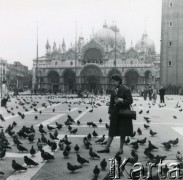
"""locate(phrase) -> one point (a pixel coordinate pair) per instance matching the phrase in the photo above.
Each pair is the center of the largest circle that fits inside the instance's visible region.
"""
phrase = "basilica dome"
(106, 36)
(145, 44)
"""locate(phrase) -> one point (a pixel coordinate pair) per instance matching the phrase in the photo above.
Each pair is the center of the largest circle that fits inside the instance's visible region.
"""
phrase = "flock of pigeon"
(11, 136)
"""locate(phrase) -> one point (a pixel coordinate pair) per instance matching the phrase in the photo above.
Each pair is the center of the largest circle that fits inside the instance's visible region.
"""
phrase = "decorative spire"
(54, 46)
(63, 46)
(47, 47)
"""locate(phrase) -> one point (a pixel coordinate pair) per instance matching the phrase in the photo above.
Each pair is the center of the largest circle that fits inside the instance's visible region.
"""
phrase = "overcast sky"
(57, 19)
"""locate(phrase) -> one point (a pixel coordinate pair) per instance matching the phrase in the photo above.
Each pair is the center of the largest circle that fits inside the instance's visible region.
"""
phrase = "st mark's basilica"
(90, 65)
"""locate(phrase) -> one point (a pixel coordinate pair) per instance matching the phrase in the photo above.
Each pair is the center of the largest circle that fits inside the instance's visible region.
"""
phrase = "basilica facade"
(90, 64)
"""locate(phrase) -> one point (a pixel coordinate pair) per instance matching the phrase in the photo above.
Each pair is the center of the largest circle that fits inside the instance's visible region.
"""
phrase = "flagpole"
(37, 61)
(75, 52)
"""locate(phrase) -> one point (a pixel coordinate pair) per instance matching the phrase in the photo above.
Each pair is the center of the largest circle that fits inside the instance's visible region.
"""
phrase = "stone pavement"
(165, 120)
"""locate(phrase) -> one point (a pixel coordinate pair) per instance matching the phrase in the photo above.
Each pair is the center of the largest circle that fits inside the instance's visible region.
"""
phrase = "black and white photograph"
(91, 89)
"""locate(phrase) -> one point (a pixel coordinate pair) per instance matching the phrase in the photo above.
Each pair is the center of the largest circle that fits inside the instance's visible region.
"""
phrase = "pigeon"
(106, 126)
(42, 131)
(96, 171)
(36, 117)
(147, 119)
(73, 168)
(143, 141)
(174, 142)
(76, 148)
(29, 161)
(175, 117)
(81, 160)
(103, 164)
(151, 146)
(101, 140)
(78, 122)
(152, 133)
(79, 111)
(17, 167)
(65, 153)
(179, 156)
(146, 126)
(167, 145)
(53, 137)
(93, 154)
(21, 148)
(32, 151)
(140, 112)
(74, 131)
(147, 111)
(53, 146)
(46, 156)
(59, 126)
(89, 136)
(100, 120)
(91, 110)
(94, 134)
(139, 131)
(50, 128)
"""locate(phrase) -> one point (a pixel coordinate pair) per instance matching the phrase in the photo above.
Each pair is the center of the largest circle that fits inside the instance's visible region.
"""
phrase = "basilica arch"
(91, 76)
(132, 77)
(53, 80)
(69, 79)
(148, 77)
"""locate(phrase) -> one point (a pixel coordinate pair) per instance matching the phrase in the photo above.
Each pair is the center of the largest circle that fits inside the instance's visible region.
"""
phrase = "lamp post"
(36, 70)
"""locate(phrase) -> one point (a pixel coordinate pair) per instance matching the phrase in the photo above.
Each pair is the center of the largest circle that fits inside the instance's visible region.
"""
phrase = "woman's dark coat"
(119, 126)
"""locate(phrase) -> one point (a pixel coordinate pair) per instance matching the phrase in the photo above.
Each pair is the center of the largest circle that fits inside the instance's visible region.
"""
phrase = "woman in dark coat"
(121, 98)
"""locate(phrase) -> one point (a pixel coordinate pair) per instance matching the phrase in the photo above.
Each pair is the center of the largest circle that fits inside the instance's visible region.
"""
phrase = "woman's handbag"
(127, 113)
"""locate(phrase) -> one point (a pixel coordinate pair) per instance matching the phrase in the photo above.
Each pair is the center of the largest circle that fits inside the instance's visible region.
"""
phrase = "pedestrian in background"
(162, 94)
(145, 93)
(150, 92)
(154, 95)
(5, 95)
(121, 99)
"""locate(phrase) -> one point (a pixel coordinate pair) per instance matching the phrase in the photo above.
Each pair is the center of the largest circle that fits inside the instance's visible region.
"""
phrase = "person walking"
(5, 95)
(150, 92)
(121, 99)
(162, 94)
(154, 95)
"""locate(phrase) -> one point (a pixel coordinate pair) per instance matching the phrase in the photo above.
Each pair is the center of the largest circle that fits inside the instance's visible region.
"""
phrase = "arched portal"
(148, 77)
(53, 80)
(91, 78)
(132, 79)
(93, 55)
(69, 79)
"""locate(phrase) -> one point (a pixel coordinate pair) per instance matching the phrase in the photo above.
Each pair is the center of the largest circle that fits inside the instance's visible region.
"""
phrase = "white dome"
(145, 44)
(107, 36)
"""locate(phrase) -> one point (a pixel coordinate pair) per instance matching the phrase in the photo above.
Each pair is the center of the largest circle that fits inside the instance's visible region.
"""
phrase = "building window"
(170, 4)
(55, 63)
(71, 63)
(169, 63)
(170, 43)
(170, 24)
